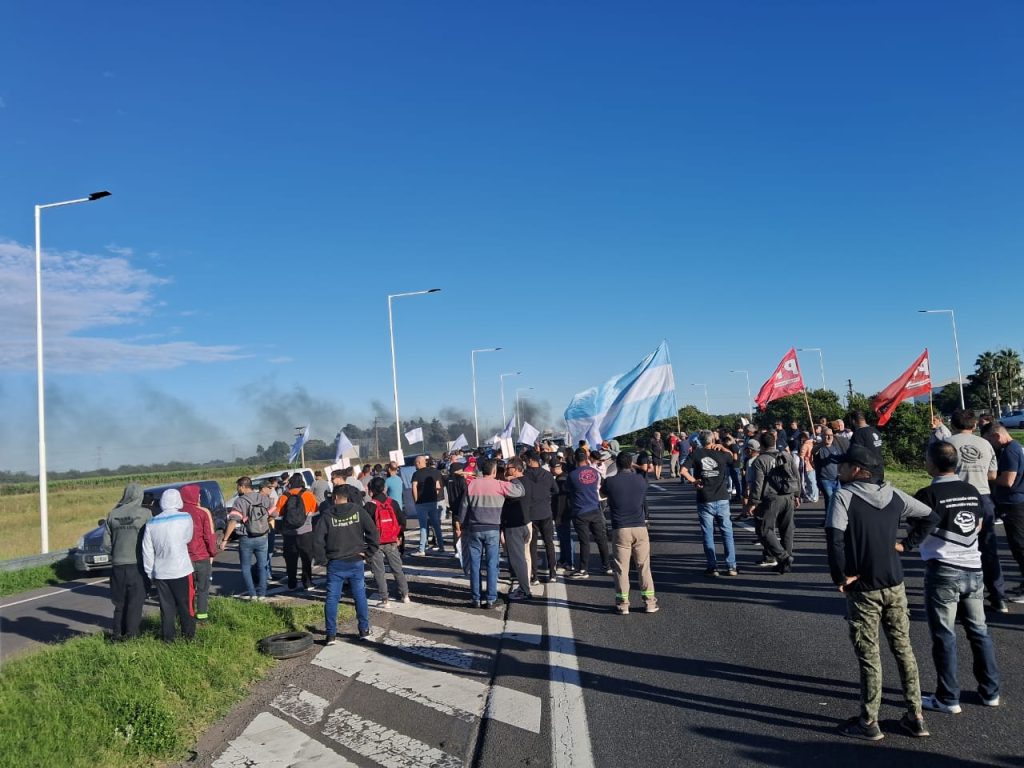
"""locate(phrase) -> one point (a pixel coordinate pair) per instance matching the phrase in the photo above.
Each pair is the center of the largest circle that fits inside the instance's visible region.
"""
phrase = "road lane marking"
(465, 621)
(570, 740)
(306, 707)
(452, 655)
(270, 742)
(383, 745)
(54, 592)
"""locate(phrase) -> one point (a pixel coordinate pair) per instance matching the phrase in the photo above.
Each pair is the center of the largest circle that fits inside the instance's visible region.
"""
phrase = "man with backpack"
(250, 519)
(390, 520)
(294, 514)
(774, 488)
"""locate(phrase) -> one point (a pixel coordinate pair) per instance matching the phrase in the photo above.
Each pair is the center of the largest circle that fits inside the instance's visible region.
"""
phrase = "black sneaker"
(364, 634)
(855, 728)
(711, 572)
(486, 605)
(998, 605)
(768, 562)
(914, 726)
(578, 575)
(474, 604)
(330, 640)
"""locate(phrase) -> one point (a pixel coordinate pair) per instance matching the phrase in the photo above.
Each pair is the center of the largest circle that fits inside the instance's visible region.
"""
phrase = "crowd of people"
(547, 505)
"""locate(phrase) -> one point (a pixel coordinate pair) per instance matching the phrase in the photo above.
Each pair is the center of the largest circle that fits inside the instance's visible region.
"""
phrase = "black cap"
(860, 456)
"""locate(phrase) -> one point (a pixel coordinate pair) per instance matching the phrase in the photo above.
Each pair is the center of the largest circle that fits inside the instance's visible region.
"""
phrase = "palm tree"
(986, 374)
(1008, 363)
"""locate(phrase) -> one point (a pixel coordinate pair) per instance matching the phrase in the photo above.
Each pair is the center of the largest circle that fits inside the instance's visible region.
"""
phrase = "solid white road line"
(446, 692)
(53, 592)
(383, 745)
(302, 705)
(270, 742)
(467, 621)
(570, 740)
(452, 655)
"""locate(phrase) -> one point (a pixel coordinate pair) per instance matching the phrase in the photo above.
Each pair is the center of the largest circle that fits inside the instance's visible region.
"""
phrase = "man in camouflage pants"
(863, 554)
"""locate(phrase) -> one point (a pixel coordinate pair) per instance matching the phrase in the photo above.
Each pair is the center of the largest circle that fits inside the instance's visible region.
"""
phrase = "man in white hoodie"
(166, 561)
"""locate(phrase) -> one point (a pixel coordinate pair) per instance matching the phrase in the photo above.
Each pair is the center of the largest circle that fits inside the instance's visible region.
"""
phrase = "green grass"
(12, 582)
(908, 480)
(90, 703)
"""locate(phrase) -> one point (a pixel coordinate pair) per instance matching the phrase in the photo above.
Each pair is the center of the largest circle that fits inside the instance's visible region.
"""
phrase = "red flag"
(785, 381)
(916, 380)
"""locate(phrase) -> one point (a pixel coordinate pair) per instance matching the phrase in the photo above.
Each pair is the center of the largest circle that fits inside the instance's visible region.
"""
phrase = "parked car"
(89, 554)
(1013, 420)
(258, 481)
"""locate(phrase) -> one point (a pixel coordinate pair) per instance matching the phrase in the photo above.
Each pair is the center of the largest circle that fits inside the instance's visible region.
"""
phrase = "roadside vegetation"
(90, 703)
(24, 579)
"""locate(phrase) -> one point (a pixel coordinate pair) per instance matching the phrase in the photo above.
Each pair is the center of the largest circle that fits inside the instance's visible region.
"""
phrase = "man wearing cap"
(862, 527)
(866, 435)
(774, 489)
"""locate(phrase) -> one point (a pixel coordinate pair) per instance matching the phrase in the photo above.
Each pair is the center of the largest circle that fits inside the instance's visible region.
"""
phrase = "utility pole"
(849, 392)
(376, 439)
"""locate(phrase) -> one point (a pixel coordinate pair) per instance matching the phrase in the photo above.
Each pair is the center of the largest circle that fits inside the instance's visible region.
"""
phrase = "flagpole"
(810, 418)
(931, 407)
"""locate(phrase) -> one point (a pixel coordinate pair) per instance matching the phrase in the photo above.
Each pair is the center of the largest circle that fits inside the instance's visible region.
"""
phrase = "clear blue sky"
(582, 179)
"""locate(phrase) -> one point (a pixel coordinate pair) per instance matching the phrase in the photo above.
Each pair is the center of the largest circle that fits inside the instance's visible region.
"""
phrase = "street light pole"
(956, 347)
(502, 379)
(520, 389)
(821, 361)
(750, 404)
(707, 406)
(394, 367)
(472, 360)
(44, 533)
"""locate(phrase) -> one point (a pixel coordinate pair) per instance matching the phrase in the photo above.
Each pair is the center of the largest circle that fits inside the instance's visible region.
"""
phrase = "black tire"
(286, 645)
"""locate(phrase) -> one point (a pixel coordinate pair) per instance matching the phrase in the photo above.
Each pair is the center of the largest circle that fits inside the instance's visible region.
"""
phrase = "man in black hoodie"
(345, 538)
(540, 487)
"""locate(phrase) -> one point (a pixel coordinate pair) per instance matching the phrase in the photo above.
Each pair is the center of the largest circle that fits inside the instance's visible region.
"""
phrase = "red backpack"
(387, 521)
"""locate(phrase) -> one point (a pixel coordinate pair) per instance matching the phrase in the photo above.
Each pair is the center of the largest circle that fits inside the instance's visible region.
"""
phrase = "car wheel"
(287, 645)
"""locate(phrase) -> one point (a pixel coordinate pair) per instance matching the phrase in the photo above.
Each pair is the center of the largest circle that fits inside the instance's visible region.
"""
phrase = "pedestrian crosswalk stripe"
(270, 742)
(446, 692)
(383, 745)
(474, 623)
(452, 655)
(302, 705)
(570, 739)
(443, 576)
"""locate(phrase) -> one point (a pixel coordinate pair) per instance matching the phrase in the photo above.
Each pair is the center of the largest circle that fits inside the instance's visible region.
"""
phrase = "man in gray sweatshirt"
(122, 537)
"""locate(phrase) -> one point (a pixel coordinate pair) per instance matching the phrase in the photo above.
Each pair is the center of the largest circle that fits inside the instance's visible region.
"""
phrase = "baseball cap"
(860, 456)
(753, 445)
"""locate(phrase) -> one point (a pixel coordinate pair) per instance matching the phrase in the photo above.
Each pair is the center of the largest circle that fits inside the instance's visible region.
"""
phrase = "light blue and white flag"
(414, 435)
(300, 441)
(528, 433)
(507, 431)
(459, 443)
(625, 403)
(344, 445)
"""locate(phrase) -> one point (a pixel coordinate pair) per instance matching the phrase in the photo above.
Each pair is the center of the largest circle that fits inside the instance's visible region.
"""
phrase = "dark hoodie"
(540, 488)
(204, 543)
(122, 532)
(345, 532)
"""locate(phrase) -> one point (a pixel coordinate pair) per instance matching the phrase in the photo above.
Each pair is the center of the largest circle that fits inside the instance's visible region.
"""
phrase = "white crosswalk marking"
(456, 696)
(453, 655)
(302, 705)
(475, 623)
(270, 742)
(383, 745)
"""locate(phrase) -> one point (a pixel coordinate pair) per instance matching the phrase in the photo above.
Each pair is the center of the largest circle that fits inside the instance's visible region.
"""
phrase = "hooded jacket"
(122, 531)
(166, 539)
(203, 545)
(540, 487)
(345, 532)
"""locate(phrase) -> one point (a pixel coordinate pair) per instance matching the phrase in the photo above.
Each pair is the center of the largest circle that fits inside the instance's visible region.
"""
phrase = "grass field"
(90, 703)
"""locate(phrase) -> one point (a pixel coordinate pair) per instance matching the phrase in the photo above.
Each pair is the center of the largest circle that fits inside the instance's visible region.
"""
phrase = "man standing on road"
(657, 454)
(122, 535)
(481, 520)
(515, 525)
(345, 538)
(673, 452)
(1008, 494)
(540, 487)
(294, 514)
(626, 491)
(250, 518)
(708, 469)
(862, 529)
(426, 494)
(166, 561)
(866, 435)
(390, 521)
(953, 581)
(320, 487)
(583, 486)
(826, 458)
(201, 549)
(774, 489)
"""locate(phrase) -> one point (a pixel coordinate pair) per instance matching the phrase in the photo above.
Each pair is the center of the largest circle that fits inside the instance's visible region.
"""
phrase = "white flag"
(507, 431)
(300, 441)
(414, 435)
(460, 442)
(528, 433)
(344, 445)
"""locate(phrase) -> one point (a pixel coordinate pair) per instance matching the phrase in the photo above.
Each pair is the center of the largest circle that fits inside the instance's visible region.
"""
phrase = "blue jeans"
(710, 513)
(483, 544)
(248, 548)
(831, 487)
(338, 572)
(566, 556)
(429, 513)
(945, 590)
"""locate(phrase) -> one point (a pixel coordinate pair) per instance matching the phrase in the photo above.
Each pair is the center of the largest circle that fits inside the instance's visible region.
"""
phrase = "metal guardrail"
(33, 560)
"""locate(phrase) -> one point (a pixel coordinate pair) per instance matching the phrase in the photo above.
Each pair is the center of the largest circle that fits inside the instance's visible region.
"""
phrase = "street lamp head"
(98, 195)
(434, 290)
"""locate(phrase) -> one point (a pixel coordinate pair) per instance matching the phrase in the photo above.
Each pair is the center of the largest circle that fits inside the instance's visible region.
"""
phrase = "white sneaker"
(993, 702)
(934, 705)
(405, 599)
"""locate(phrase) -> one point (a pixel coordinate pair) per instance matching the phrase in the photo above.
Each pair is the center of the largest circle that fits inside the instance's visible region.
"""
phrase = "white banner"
(397, 456)
(528, 433)
(414, 435)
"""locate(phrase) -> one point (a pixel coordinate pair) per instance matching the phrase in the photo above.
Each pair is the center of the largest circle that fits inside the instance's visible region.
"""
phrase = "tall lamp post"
(502, 379)
(750, 404)
(707, 406)
(956, 347)
(394, 368)
(44, 533)
(472, 360)
(520, 389)
(821, 361)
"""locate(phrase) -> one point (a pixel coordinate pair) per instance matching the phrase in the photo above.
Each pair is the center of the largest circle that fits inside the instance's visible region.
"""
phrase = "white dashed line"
(270, 742)
(570, 740)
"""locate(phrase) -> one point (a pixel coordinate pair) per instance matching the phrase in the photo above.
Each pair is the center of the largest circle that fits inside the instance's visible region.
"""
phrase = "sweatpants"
(517, 543)
(777, 513)
(128, 593)
(298, 546)
(201, 580)
(587, 525)
(635, 544)
(175, 597)
(394, 558)
(543, 530)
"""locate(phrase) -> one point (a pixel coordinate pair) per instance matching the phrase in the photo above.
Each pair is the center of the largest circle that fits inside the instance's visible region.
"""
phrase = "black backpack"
(294, 516)
(781, 478)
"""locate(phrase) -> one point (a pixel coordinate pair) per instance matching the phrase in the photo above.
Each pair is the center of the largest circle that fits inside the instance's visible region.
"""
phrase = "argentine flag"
(625, 403)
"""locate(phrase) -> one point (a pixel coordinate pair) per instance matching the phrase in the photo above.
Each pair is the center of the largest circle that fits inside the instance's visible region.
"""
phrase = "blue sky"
(581, 180)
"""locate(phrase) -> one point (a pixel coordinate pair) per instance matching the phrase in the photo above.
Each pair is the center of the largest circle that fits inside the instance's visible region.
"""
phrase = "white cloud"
(279, 360)
(83, 293)
(120, 250)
